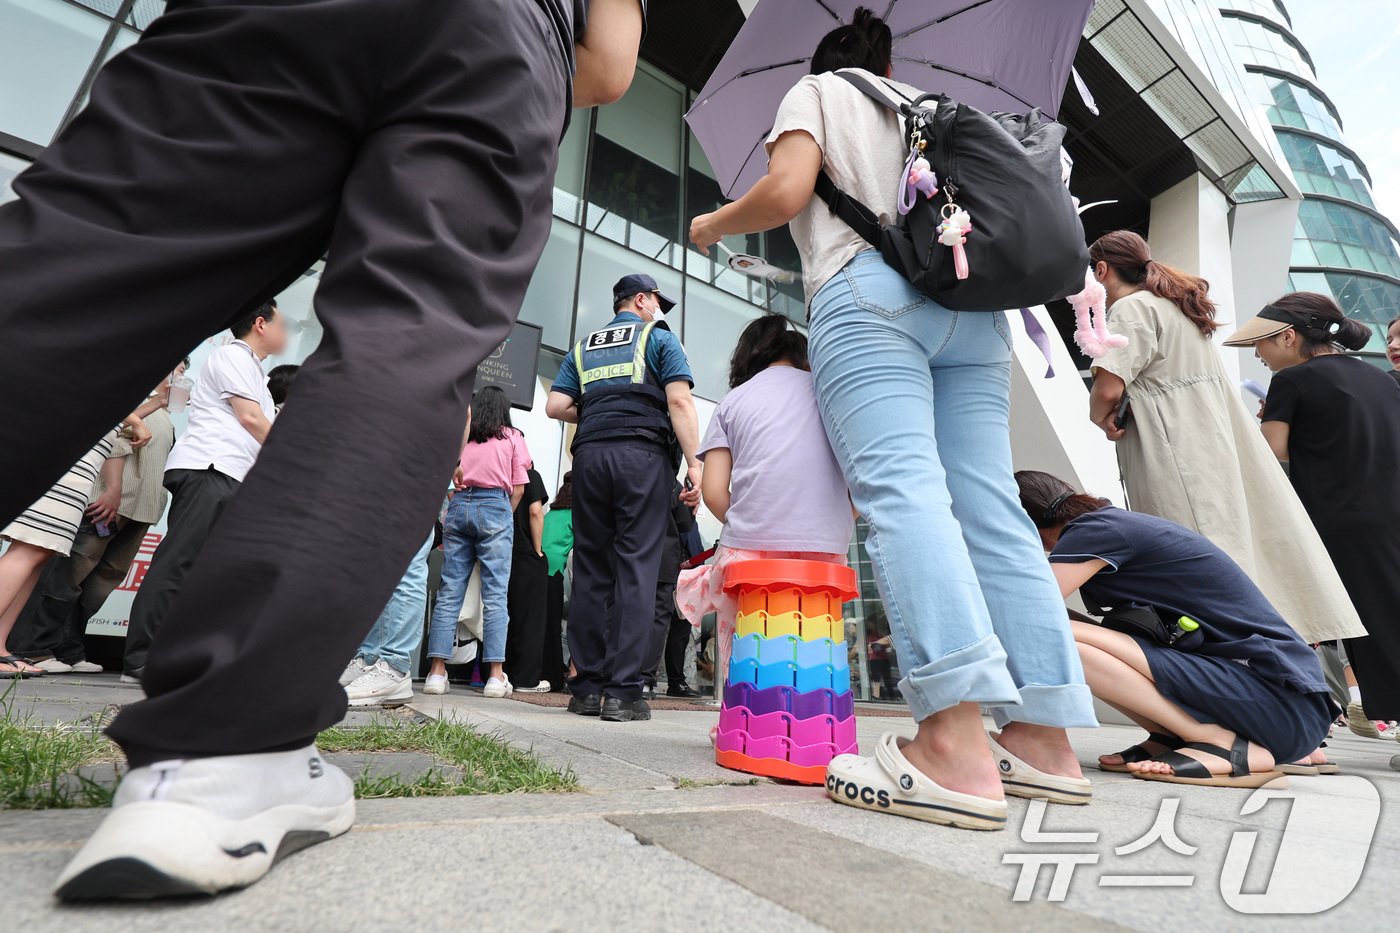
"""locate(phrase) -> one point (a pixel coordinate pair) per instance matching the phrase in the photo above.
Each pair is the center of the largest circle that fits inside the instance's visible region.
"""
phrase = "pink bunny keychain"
(957, 224)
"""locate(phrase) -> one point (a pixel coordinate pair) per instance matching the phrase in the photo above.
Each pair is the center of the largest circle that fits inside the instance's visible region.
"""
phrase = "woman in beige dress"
(1191, 452)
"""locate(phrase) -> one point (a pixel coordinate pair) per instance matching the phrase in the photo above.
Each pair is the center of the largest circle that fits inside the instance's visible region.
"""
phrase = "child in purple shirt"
(770, 475)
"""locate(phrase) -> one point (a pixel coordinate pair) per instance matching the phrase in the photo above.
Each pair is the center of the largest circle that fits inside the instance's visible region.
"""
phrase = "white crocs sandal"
(1022, 780)
(888, 783)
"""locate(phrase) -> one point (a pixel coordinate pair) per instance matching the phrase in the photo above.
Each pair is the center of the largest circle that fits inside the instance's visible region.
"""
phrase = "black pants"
(197, 499)
(527, 599)
(621, 508)
(670, 639)
(217, 159)
(72, 589)
(552, 647)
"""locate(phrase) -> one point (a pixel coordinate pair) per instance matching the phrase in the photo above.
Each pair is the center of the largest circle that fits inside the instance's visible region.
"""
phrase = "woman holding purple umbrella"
(915, 399)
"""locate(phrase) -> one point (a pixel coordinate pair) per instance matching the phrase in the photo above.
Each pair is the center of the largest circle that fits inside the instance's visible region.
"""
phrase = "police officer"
(627, 387)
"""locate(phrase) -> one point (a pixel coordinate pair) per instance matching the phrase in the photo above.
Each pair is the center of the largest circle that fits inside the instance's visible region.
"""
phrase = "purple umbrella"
(1012, 55)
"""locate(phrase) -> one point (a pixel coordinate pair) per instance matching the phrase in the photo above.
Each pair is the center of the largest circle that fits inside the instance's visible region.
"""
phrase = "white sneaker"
(353, 672)
(128, 679)
(436, 685)
(86, 667)
(52, 666)
(179, 828)
(496, 689)
(380, 685)
(541, 687)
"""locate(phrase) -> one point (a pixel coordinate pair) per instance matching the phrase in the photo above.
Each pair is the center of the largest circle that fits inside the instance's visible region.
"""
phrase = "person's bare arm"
(714, 481)
(562, 407)
(686, 423)
(250, 415)
(779, 196)
(104, 507)
(1072, 576)
(537, 527)
(153, 404)
(1104, 397)
(1276, 433)
(516, 494)
(605, 57)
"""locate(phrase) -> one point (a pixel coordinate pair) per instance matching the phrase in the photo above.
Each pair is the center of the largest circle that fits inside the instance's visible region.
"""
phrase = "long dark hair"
(565, 497)
(490, 415)
(865, 42)
(1050, 501)
(1127, 254)
(1321, 323)
(767, 340)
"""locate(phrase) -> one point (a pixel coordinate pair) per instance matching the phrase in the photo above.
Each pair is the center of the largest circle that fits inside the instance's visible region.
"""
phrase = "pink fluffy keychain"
(1091, 319)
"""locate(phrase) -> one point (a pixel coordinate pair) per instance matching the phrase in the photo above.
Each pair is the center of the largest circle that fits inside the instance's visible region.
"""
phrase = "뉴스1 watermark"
(1334, 829)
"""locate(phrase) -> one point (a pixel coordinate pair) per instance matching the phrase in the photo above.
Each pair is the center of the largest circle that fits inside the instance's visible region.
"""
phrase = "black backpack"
(1026, 244)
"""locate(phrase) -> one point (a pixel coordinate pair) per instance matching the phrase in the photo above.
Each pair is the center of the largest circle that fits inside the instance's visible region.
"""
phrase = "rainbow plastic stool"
(787, 707)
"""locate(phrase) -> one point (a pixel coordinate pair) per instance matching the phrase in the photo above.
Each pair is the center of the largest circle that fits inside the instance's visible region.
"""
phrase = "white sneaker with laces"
(52, 666)
(353, 672)
(86, 667)
(496, 689)
(436, 685)
(380, 685)
(205, 825)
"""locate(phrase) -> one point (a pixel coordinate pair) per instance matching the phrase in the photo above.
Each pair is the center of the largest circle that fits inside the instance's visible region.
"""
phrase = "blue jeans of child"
(479, 527)
(916, 400)
(399, 627)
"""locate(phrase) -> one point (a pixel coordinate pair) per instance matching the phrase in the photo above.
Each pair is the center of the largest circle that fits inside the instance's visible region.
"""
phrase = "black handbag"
(1182, 633)
(1026, 245)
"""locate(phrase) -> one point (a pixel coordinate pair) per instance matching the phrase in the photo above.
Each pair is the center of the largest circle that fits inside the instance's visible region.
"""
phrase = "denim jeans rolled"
(479, 527)
(916, 401)
(399, 627)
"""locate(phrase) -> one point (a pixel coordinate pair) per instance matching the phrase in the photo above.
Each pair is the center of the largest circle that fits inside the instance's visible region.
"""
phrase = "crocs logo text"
(869, 796)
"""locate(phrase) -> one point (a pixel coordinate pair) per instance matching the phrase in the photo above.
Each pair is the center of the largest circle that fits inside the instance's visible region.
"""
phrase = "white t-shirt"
(213, 435)
(863, 150)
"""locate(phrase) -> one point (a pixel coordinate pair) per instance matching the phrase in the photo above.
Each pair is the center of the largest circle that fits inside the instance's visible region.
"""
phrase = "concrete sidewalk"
(662, 839)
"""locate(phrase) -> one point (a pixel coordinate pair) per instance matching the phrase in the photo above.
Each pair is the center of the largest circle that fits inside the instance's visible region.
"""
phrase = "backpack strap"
(861, 219)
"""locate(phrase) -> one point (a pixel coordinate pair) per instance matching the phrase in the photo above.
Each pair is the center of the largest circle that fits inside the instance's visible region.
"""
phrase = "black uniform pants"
(622, 505)
(218, 158)
(670, 638)
(197, 499)
(552, 666)
(72, 589)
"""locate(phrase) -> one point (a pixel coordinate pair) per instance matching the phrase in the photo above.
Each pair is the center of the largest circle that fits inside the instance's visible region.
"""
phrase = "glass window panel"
(144, 12)
(718, 318)
(549, 301)
(46, 47)
(1303, 254)
(1329, 254)
(568, 180)
(634, 177)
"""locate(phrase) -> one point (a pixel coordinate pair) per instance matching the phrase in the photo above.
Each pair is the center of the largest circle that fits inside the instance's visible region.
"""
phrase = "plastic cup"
(179, 393)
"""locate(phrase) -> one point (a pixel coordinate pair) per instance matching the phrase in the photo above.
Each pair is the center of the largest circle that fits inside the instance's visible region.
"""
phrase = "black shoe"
(586, 705)
(649, 693)
(615, 710)
(684, 691)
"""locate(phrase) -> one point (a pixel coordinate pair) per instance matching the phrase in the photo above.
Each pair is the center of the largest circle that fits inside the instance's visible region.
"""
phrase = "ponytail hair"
(1321, 324)
(864, 43)
(766, 340)
(1051, 502)
(1127, 254)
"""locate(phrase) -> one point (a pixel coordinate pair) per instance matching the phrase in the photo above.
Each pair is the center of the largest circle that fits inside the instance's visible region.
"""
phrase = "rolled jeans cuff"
(1063, 707)
(975, 674)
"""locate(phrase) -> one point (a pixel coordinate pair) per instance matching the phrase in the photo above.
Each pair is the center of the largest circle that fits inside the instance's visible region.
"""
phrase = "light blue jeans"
(399, 627)
(916, 400)
(479, 527)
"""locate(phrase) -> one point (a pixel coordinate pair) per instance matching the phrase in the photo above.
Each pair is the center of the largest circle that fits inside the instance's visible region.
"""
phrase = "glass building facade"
(1342, 245)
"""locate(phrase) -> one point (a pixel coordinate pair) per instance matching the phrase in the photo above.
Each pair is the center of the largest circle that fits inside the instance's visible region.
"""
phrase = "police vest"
(619, 397)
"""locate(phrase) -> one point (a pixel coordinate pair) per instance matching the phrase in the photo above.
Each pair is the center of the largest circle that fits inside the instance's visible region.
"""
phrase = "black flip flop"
(15, 661)
(1136, 753)
(1187, 770)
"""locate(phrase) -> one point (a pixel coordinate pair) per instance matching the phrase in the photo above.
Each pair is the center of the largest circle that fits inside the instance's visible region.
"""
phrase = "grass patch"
(690, 783)
(471, 762)
(48, 766)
